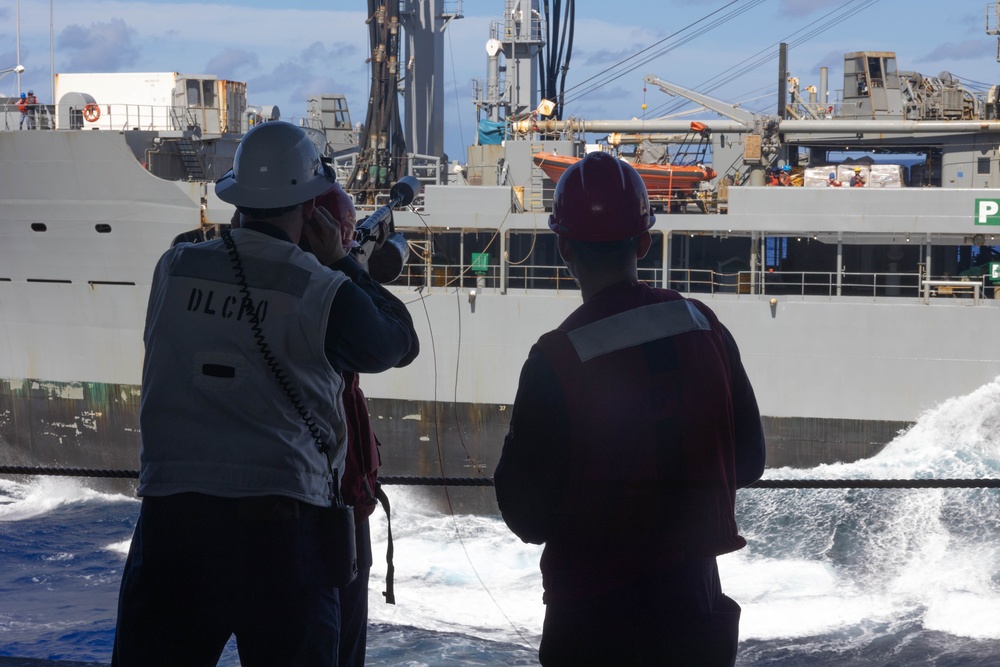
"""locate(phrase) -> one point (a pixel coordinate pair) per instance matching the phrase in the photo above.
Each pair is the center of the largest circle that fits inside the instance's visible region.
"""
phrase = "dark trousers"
(202, 568)
(354, 604)
(677, 618)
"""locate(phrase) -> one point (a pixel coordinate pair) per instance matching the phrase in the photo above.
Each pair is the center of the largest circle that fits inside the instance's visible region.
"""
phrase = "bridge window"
(875, 71)
(200, 93)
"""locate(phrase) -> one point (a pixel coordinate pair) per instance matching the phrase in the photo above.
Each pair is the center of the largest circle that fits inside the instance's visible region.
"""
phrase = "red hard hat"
(600, 198)
(341, 207)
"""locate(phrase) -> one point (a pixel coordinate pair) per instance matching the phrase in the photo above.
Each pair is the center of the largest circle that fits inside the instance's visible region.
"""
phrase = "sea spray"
(848, 577)
(842, 563)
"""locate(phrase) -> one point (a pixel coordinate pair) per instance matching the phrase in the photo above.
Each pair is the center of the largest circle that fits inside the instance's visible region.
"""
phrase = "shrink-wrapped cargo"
(886, 176)
(818, 177)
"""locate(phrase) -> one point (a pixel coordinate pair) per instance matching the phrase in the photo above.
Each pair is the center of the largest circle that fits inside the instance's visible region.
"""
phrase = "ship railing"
(950, 288)
(531, 29)
(424, 168)
(485, 273)
(821, 283)
(449, 8)
(522, 278)
(485, 277)
(696, 280)
(10, 114)
(827, 283)
(518, 278)
(343, 166)
(135, 117)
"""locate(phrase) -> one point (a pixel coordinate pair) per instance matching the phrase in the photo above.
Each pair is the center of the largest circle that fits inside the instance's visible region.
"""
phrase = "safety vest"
(651, 469)
(213, 417)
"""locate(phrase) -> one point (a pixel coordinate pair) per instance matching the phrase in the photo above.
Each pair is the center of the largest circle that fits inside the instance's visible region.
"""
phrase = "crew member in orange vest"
(28, 106)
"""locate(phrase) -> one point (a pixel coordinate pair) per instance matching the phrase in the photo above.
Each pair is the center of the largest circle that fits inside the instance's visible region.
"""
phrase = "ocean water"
(830, 577)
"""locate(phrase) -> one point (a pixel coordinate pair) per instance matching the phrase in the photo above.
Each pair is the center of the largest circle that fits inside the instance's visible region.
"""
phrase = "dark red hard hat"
(600, 198)
(341, 207)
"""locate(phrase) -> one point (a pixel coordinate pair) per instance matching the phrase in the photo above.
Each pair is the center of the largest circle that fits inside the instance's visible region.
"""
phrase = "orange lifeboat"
(663, 181)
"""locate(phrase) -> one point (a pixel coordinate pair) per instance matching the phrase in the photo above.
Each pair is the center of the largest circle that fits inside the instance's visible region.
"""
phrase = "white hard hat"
(275, 166)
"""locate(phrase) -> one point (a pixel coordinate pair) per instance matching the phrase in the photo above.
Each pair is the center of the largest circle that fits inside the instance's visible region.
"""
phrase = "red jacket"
(363, 459)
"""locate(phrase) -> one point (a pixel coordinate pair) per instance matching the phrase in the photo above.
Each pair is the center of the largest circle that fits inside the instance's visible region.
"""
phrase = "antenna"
(17, 30)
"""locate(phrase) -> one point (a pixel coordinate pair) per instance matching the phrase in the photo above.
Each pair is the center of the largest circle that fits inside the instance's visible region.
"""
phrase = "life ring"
(91, 112)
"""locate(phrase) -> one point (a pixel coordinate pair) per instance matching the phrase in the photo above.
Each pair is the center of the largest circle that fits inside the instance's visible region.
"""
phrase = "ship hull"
(836, 376)
(826, 396)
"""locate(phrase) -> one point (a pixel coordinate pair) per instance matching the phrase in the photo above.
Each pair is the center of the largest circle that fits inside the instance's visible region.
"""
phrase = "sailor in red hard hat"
(633, 425)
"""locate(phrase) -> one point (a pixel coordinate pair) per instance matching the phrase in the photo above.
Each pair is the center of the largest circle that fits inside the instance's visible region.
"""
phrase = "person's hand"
(347, 235)
(322, 234)
(381, 233)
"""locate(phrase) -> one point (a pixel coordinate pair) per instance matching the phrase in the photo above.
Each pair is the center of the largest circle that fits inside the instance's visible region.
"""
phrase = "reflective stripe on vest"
(637, 326)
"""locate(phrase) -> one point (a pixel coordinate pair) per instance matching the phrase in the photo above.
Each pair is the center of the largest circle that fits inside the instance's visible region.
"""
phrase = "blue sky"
(288, 49)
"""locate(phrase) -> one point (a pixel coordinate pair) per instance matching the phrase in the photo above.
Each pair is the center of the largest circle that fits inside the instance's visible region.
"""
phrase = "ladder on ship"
(190, 160)
(536, 201)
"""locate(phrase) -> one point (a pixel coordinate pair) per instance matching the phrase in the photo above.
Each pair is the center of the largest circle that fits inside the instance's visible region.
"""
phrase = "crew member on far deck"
(22, 106)
(785, 178)
(833, 182)
(31, 109)
(858, 179)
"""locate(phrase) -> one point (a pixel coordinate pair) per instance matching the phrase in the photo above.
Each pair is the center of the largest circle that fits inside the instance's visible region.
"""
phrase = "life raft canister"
(91, 112)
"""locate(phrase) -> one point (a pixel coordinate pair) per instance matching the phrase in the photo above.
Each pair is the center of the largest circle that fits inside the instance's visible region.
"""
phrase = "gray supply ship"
(855, 308)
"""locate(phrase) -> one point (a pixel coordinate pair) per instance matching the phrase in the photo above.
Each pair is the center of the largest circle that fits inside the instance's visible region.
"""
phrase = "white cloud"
(970, 49)
(229, 62)
(99, 47)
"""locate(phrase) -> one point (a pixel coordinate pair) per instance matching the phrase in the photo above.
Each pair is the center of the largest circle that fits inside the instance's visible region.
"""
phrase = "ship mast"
(424, 23)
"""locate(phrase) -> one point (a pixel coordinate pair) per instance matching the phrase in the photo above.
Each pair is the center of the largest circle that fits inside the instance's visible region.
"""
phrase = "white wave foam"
(879, 555)
(20, 501)
(960, 438)
(464, 574)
